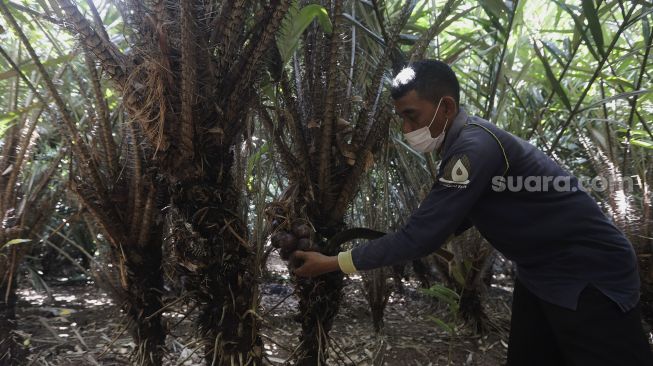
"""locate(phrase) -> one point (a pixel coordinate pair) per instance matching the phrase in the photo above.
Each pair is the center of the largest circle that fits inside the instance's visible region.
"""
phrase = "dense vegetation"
(157, 146)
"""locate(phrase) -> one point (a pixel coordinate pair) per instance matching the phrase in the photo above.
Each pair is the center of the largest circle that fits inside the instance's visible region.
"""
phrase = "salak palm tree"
(116, 189)
(327, 116)
(187, 80)
(26, 198)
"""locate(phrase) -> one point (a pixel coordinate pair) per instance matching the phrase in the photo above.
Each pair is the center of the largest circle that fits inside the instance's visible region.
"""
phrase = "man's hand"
(314, 263)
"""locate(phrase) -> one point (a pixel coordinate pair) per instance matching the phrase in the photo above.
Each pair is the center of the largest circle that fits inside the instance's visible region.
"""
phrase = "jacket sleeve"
(466, 224)
(465, 175)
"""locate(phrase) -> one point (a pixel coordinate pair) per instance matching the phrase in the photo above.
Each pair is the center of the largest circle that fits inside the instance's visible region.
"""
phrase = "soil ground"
(79, 325)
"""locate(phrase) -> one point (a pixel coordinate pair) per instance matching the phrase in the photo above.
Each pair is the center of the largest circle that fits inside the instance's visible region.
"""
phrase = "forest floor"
(79, 325)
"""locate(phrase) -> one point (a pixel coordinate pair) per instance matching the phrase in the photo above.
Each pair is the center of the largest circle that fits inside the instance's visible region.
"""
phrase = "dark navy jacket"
(556, 233)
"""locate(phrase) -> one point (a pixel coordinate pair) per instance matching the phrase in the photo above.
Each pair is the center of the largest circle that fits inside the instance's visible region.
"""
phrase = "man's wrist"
(346, 262)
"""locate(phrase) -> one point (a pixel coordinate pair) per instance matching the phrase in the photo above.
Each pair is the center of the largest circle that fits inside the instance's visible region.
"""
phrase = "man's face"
(417, 112)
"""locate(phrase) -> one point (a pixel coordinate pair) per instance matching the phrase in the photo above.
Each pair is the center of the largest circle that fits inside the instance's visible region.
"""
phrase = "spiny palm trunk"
(377, 292)
(319, 297)
(144, 286)
(473, 261)
(209, 241)
(134, 233)
(319, 304)
(334, 166)
(11, 350)
(135, 281)
(471, 306)
(467, 274)
(188, 82)
(226, 323)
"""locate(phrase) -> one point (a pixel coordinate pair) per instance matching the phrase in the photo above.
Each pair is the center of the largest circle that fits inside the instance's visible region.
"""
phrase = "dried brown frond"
(135, 188)
(22, 151)
(350, 183)
(79, 147)
(97, 20)
(45, 178)
(102, 114)
(188, 79)
(146, 102)
(103, 216)
(148, 216)
(288, 160)
(227, 36)
(369, 111)
(328, 120)
(295, 124)
(247, 66)
(112, 60)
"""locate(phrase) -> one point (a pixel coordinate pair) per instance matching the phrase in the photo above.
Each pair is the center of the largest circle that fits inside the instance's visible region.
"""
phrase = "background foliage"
(316, 135)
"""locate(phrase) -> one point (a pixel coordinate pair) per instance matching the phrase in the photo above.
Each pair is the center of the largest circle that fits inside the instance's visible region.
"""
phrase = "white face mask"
(421, 139)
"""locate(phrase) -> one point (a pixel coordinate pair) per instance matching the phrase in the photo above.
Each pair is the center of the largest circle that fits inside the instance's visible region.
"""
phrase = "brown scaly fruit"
(301, 230)
(288, 245)
(280, 238)
(305, 244)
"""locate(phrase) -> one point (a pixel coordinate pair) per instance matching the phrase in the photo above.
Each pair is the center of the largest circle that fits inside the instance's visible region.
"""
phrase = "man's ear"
(450, 107)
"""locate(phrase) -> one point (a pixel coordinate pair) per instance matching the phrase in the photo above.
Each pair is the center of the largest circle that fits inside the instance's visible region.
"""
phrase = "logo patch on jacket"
(456, 172)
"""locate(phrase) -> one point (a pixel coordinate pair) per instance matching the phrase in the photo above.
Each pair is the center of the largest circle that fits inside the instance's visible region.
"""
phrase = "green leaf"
(557, 88)
(4, 126)
(497, 7)
(6, 119)
(253, 160)
(20, 17)
(580, 28)
(555, 51)
(454, 18)
(444, 294)
(614, 97)
(44, 5)
(497, 11)
(594, 24)
(296, 23)
(457, 274)
(15, 242)
(645, 143)
(26, 68)
(375, 36)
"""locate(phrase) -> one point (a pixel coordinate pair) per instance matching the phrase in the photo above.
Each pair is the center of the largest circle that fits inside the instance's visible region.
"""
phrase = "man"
(577, 288)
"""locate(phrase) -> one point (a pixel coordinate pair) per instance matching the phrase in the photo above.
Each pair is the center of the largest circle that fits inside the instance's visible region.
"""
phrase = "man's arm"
(314, 263)
(465, 175)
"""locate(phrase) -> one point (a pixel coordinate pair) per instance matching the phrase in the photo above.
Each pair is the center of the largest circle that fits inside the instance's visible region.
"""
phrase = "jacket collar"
(452, 134)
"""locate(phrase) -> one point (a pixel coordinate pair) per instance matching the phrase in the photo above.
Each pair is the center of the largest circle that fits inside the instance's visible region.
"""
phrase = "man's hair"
(431, 79)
